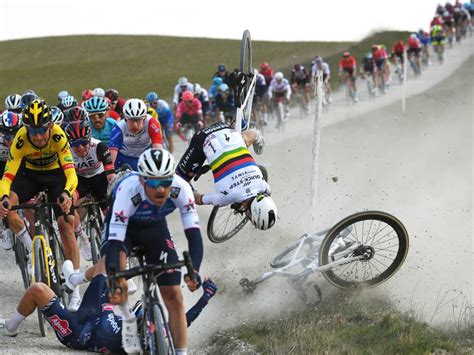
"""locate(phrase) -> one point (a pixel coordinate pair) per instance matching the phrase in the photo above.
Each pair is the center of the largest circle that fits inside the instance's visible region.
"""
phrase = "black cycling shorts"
(28, 183)
(95, 185)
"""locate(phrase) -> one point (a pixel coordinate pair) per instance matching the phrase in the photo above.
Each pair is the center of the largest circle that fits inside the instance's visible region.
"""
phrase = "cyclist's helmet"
(57, 116)
(10, 123)
(369, 55)
(279, 76)
(78, 130)
(264, 66)
(30, 92)
(87, 94)
(27, 99)
(156, 163)
(263, 212)
(151, 97)
(99, 92)
(413, 36)
(188, 95)
(96, 104)
(183, 81)
(134, 109)
(375, 47)
(346, 54)
(221, 67)
(13, 103)
(224, 88)
(76, 113)
(37, 114)
(62, 94)
(217, 81)
(297, 67)
(197, 89)
(112, 95)
(68, 102)
(318, 60)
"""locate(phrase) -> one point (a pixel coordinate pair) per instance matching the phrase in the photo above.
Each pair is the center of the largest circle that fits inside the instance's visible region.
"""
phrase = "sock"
(15, 321)
(183, 351)
(78, 278)
(24, 236)
(126, 314)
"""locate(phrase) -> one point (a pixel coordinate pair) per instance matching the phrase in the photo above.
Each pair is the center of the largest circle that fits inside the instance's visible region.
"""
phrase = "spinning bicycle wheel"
(383, 242)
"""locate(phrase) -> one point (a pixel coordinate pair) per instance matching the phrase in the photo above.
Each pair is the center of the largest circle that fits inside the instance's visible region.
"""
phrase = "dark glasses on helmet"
(154, 183)
(77, 142)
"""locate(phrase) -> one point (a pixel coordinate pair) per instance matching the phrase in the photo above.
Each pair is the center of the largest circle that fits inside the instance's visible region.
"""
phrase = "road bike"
(280, 112)
(94, 223)
(349, 87)
(362, 250)
(154, 331)
(47, 252)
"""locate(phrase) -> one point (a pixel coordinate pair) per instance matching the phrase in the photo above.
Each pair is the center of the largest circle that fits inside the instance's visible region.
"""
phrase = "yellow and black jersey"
(54, 155)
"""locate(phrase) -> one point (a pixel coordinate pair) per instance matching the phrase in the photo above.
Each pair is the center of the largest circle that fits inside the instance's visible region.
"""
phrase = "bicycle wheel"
(94, 233)
(224, 223)
(22, 261)
(384, 243)
(161, 333)
(245, 65)
(40, 275)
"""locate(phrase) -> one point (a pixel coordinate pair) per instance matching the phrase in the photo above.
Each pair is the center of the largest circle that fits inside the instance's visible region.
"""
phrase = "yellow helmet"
(37, 114)
(151, 111)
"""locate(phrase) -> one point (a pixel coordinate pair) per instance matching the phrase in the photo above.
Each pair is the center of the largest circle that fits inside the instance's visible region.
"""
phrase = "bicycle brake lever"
(189, 266)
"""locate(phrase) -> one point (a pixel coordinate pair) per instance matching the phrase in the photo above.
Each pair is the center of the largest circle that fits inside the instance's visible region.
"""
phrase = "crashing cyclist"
(97, 108)
(49, 163)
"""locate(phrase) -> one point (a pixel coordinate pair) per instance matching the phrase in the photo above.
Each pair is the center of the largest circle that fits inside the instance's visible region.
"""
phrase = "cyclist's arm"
(66, 161)
(219, 200)
(11, 168)
(115, 142)
(154, 131)
(104, 155)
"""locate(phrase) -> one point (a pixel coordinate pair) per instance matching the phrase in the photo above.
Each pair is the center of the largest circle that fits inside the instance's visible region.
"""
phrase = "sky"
(303, 20)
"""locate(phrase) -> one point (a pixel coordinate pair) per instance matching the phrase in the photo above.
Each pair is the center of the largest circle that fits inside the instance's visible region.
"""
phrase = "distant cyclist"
(267, 72)
(347, 72)
(165, 116)
(201, 94)
(189, 113)
(414, 51)
(222, 73)
(300, 82)
(136, 133)
(182, 86)
(225, 103)
(320, 65)
(280, 89)
(116, 102)
(97, 107)
(67, 102)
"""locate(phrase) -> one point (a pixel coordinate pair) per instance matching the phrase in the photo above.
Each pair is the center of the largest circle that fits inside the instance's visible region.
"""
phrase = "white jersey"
(324, 67)
(130, 204)
(90, 165)
(178, 92)
(236, 175)
(279, 89)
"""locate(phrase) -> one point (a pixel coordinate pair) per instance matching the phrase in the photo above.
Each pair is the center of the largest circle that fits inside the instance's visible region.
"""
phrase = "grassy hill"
(135, 65)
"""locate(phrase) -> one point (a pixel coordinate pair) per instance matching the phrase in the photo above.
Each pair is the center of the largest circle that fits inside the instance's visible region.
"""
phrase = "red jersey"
(398, 48)
(190, 110)
(436, 21)
(413, 43)
(267, 74)
(349, 63)
(113, 114)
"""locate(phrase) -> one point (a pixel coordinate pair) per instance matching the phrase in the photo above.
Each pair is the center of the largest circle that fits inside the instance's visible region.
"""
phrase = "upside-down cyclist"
(137, 217)
(94, 168)
(348, 71)
(237, 178)
(49, 163)
(137, 132)
(165, 116)
(94, 327)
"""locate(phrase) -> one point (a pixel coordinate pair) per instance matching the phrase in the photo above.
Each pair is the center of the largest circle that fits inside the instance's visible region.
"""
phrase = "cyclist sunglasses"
(157, 183)
(77, 142)
(40, 130)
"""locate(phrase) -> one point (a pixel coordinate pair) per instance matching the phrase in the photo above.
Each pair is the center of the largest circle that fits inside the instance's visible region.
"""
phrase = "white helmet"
(62, 94)
(197, 89)
(134, 109)
(263, 212)
(279, 76)
(98, 92)
(156, 163)
(183, 81)
(13, 102)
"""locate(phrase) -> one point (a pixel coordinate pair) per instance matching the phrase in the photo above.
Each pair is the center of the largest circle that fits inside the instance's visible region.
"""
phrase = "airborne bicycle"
(362, 250)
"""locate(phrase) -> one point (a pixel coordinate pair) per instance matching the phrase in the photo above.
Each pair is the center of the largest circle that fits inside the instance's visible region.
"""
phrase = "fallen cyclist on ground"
(237, 177)
(94, 327)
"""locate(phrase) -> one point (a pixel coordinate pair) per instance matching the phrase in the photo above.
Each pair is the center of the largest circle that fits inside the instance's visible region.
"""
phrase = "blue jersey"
(165, 116)
(104, 133)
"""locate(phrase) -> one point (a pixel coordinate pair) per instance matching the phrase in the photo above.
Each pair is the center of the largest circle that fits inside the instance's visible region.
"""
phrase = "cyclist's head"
(97, 108)
(188, 96)
(57, 115)
(297, 67)
(134, 112)
(279, 76)
(375, 48)
(369, 55)
(318, 60)
(156, 168)
(221, 67)
(152, 99)
(264, 66)
(79, 134)
(68, 102)
(76, 113)
(87, 94)
(413, 36)
(224, 89)
(346, 54)
(27, 99)
(99, 92)
(62, 94)
(197, 90)
(37, 118)
(112, 95)
(217, 81)
(10, 123)
(183, 81)
(13, 103)
(263, 212)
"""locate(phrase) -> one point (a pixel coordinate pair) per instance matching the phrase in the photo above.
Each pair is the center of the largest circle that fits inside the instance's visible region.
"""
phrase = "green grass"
(137, 64)
(344, 324)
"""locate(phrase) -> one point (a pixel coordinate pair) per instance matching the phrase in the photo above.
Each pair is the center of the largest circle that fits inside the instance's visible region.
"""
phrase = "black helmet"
(37, 114)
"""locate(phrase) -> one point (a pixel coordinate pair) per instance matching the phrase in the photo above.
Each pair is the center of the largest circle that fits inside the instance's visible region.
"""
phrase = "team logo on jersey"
(120, 217)
(136, 200)
(175, 192)
(57, 137)
(19, 143)
(60, 325)
(190, 205)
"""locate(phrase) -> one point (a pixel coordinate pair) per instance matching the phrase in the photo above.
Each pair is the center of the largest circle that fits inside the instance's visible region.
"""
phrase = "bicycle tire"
(245, 64)
(40, 275)
(401, 236)
(93, 231)
(163, 345)
(22, 258)
(224, 213)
